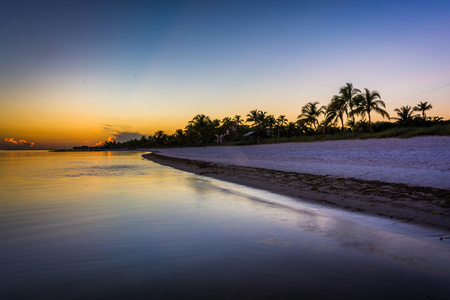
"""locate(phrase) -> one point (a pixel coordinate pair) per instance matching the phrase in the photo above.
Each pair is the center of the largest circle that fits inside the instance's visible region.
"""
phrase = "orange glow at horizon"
(109, 139)
(20, 142)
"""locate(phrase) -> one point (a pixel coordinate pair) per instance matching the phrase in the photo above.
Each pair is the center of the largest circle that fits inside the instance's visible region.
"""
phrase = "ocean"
(112, 225)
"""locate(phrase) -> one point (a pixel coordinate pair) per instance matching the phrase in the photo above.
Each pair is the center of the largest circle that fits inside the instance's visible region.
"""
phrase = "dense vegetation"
(348, 116)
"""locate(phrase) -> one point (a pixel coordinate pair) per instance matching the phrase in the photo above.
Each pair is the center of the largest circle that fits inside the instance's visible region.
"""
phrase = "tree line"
(350, 110)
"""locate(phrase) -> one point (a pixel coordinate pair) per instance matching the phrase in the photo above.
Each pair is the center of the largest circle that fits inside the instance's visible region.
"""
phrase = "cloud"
(119, 135)
(110, 139)
(113, 127)
(21, 143)
(123, 136)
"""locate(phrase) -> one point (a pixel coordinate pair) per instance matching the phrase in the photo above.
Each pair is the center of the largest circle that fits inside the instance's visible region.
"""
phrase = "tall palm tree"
(423, 106)
(281, 123)
(329, 119)
(405, 114)
(336, 110)
(371, 102)
(349, 96)
(311, 113)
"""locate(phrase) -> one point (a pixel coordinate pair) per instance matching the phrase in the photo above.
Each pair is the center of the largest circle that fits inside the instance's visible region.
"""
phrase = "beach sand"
(403, 179)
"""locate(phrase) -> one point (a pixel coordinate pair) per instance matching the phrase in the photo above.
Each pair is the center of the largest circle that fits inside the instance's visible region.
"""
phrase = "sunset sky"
(79, 72)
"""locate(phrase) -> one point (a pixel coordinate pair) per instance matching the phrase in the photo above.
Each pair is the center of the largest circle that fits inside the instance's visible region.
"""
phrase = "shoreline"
(426, 206)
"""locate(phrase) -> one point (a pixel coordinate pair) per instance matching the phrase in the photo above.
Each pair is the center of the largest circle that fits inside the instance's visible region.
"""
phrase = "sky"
(79, 72)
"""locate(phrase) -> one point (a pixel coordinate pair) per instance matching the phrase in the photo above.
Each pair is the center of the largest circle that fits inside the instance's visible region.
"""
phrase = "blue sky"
(67, 68)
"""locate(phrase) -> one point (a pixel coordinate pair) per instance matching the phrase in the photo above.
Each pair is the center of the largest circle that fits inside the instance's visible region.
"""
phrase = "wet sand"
(421, 161)
(422, 205)
(403, 179)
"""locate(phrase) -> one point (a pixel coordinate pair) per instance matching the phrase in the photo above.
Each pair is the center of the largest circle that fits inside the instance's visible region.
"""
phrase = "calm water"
(111, 225)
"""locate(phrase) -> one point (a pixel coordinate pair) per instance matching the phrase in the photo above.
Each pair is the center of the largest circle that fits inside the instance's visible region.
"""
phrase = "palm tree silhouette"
(201, 123)
(330, 119)
(371, 101)
(160, 137)
(337, 109)
(237, 120)
(311, 113)
(227, 124)
(405, 114)
(423, 106)
(179, 137)
(252, 116)
(258, 118)
(349, 96)
(270, 122)
(281, 123)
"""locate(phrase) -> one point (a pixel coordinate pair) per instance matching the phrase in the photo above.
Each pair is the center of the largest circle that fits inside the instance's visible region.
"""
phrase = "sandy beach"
(403, 179)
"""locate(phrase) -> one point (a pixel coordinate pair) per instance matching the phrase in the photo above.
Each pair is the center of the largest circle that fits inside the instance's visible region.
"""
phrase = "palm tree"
(252, 116)
(349, 96)
(371, 101)
(257, 117)
(191, 133)
(328, 120)
(179, 137)
(200, 120)
(160, 136)
(336, 110)
(311, 113)
(423, 106)
(261, 117)
(201, 123)
(270, 122)
(237, 120)
(281, 123)
(215, 129)
(405, 114)
(227, 124)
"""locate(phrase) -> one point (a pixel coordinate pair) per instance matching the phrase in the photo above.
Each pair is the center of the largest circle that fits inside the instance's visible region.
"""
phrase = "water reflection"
(111, 225)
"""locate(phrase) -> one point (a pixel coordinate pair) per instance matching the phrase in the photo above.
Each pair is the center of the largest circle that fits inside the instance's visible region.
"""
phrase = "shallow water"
(111, 225)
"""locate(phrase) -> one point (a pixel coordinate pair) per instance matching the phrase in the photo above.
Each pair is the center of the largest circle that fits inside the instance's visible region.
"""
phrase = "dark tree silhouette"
(371, 102)
(423, 106)
(311, 113)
